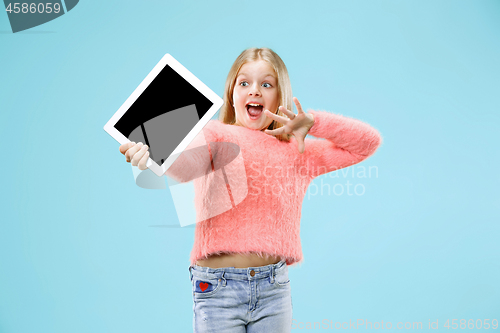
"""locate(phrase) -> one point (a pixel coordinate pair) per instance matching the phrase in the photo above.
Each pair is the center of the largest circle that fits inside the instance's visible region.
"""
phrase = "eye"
(266, 85)
(244, 83)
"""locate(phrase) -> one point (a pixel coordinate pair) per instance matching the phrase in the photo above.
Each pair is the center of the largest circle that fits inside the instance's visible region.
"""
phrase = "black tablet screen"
(165, 112)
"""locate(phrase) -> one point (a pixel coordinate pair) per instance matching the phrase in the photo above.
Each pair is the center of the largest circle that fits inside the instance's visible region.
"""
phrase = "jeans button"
(252, 273)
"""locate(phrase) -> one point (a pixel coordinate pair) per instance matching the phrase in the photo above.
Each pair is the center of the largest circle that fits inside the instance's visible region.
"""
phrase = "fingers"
(276, 131)
(276, 117)
(126, 146)
(143, 162)
(132, 150)
(139, 155)
(297, 105)
(289, 113)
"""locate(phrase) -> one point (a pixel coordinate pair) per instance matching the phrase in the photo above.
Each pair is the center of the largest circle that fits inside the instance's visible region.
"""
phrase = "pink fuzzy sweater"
(249, 186)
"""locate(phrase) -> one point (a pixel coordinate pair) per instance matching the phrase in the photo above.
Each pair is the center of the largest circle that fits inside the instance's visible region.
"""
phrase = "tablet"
(166, 111)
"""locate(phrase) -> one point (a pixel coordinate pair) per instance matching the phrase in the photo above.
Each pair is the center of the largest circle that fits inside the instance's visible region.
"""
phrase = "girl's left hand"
(296, 124)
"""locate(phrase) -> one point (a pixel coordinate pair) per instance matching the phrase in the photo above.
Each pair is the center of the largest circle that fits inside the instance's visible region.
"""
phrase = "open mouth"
(254, 110)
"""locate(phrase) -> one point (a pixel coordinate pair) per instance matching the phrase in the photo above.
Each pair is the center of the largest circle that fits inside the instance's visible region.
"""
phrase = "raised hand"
(296, 124)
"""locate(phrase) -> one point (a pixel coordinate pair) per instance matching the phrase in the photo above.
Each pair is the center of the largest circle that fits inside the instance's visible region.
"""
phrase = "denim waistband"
(260, 272)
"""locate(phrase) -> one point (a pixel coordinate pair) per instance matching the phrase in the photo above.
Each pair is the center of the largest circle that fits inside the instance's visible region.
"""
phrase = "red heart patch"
(203, 286)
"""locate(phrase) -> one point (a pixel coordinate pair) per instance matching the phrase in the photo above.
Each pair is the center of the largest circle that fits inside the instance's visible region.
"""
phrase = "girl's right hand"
(137, 154)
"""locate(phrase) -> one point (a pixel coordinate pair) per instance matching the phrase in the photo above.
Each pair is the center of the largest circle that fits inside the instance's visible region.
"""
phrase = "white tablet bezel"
(195, 82)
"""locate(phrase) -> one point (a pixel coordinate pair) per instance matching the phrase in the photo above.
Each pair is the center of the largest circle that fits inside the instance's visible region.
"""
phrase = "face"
(255, 90)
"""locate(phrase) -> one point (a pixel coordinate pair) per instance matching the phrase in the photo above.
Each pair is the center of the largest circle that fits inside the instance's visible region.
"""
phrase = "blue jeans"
(237, 300)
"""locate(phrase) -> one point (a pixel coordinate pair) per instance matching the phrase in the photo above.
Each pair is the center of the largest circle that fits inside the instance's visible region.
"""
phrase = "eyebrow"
(266, 75)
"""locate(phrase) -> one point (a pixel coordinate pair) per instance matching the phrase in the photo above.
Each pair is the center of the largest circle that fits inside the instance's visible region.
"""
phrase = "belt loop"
(190, 274)
(224, 279)
(272, 274)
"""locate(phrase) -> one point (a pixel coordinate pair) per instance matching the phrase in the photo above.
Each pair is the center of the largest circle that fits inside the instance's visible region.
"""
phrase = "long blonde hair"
(227, 114)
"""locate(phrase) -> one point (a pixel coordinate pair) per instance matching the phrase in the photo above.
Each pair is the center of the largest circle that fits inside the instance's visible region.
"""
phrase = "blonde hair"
(227, 114)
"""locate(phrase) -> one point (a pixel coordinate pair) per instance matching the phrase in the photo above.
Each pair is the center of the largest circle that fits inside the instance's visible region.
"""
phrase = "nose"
(254, 90)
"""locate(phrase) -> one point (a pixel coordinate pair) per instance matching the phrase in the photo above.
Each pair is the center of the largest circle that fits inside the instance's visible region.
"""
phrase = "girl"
(240, 257)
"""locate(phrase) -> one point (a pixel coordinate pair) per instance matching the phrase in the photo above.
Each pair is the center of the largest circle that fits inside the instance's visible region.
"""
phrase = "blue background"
(84, 249)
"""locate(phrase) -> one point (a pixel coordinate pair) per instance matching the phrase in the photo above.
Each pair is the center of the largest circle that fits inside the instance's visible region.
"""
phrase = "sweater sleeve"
(348, 142)
(196, 160)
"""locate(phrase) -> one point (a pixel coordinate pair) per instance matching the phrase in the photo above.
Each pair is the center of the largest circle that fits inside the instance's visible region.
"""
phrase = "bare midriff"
(237, 260)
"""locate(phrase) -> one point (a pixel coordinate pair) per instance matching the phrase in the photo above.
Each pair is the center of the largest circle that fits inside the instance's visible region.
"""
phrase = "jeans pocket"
(203, 287)
(281, 278)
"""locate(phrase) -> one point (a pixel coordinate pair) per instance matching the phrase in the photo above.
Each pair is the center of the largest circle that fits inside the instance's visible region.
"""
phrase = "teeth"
(252, 104)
